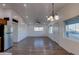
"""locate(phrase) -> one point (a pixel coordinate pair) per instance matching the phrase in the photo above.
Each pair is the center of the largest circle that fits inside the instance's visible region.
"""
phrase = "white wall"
(25, 30)
(20, 29)
(15, 32)
(31, 31)
(71, 45)
(22, 32)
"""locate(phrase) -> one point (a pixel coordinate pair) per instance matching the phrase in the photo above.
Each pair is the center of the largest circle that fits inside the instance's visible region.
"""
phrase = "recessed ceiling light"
(30, 23)
(22, 23)
(26, 16)
(15, 16)
(46, 16)
(3, 4)
(44, 23)
(25, 5)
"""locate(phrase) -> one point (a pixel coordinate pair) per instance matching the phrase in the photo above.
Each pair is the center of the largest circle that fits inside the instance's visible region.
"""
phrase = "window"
(38, 28)
(77, 27)
(72, 28)
(50, 29)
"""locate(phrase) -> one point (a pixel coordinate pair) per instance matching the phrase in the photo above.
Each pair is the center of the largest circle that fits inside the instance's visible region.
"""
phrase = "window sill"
(73, 39)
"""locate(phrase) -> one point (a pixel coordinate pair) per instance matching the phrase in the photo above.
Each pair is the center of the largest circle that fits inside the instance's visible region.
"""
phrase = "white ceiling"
(35, 11)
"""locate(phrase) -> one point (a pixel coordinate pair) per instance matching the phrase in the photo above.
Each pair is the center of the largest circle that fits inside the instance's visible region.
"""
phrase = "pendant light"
(54, 16)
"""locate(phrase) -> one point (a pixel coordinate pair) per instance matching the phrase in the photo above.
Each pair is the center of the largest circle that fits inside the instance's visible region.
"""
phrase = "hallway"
(38, 46)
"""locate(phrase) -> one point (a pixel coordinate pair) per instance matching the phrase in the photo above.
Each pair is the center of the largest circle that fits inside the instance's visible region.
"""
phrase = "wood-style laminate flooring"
(38, 46)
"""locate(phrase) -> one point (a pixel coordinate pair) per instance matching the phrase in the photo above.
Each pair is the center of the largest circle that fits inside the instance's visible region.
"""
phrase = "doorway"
(1, 38)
